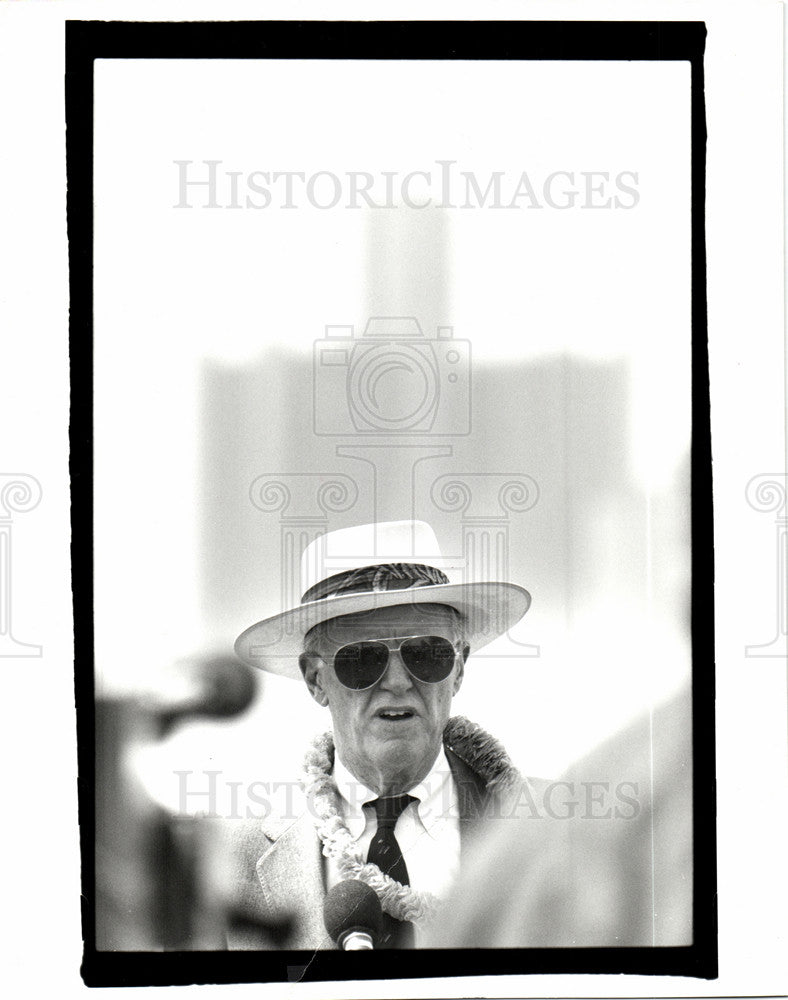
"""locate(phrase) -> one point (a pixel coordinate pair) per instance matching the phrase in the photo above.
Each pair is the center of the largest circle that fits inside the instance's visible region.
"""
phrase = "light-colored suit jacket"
(277, 872)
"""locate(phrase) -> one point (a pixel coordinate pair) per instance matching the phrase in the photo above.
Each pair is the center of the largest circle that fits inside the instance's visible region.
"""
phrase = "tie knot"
(389, 809)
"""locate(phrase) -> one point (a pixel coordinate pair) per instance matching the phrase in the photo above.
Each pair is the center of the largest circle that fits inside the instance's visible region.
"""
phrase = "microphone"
(211, 687)
(353, 915)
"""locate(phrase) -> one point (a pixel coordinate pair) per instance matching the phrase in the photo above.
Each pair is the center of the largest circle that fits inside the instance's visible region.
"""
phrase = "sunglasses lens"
(359, 665)
(429, 658)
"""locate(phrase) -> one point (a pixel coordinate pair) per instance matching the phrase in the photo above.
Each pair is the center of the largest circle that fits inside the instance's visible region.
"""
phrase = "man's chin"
(406, 739)
(403, 754)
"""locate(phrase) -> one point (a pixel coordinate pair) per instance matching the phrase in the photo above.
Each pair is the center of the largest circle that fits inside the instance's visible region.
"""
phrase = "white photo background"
(578, 319)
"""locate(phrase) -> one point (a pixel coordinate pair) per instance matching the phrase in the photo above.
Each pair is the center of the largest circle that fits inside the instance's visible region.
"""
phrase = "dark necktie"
(384, 851)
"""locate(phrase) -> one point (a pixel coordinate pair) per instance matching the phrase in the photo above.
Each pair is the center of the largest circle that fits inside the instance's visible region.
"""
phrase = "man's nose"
(396, 677)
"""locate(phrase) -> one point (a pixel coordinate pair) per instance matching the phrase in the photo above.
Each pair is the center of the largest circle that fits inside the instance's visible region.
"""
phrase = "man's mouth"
(395, 714)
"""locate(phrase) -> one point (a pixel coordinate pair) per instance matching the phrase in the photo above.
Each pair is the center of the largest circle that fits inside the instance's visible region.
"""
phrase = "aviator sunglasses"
(427, 658)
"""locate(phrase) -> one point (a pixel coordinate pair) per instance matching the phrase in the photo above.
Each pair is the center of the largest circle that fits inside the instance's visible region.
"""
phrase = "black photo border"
(436, 40)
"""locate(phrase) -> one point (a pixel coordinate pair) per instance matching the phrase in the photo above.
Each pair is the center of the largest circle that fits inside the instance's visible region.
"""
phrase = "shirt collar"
(436, 794)
(353, 795)
(437, 798)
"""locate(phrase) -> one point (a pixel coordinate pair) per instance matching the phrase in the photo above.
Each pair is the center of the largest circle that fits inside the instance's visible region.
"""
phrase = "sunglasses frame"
(457, 646)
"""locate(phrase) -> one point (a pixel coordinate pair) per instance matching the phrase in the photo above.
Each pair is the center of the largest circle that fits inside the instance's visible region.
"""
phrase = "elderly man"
(393, 792)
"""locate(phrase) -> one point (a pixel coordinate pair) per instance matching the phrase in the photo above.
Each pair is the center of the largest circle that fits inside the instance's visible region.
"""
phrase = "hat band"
(388, 576)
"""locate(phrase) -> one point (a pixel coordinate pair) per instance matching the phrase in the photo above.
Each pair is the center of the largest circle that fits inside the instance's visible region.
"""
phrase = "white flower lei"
(480, 751)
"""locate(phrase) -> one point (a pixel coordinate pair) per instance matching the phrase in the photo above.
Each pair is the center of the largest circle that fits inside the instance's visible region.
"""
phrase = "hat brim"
(488, 610)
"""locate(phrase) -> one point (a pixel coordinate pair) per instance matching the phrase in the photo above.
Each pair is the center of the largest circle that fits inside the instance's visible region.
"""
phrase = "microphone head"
(213, 687)
(352, 906)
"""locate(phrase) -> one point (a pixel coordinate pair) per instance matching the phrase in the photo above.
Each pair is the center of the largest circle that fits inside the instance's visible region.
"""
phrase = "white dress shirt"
(428, 831)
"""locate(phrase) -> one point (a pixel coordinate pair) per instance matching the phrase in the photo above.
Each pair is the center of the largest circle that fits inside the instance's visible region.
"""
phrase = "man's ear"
(310, 668)
(461, 669)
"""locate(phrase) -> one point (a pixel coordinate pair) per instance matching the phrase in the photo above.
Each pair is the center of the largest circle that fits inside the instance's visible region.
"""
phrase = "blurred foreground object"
(148, 892)
(607, 862)
(215, 687)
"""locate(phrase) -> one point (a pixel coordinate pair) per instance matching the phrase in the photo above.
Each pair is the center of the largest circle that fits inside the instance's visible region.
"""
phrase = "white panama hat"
(395, 563)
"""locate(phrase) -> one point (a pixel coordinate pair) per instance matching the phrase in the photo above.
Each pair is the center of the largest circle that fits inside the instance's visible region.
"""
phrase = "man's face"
(388, 754)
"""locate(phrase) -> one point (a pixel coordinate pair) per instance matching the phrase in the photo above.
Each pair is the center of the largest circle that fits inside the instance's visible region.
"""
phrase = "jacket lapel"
(291, 877)
(472, 799)
(472, 794)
